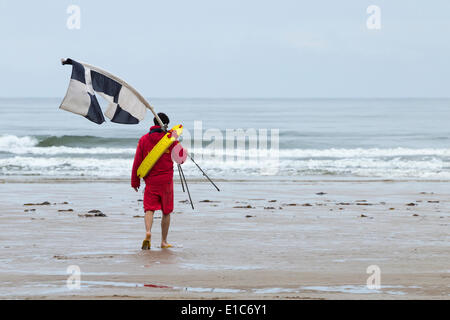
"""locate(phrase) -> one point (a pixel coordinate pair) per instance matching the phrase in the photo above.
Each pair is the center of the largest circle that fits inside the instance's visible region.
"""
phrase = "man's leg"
(165, 223)
(148, 224)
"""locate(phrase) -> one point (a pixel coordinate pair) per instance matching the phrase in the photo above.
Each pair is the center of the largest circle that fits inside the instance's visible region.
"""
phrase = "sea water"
(317, 138)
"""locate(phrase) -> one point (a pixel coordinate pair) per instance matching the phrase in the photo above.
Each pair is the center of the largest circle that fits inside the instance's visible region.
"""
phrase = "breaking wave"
(90, 156)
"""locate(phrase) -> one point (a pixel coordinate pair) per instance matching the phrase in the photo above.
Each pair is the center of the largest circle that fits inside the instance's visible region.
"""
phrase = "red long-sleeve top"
(162, 171)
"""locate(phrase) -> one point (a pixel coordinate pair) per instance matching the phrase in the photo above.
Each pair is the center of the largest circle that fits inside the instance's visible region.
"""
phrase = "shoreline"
(24, 180)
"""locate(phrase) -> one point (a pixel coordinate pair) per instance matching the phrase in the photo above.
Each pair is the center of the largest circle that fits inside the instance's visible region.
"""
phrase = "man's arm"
(135, 180)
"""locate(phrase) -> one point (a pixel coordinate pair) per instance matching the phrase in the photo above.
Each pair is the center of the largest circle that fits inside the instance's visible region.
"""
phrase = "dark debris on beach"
(45, 203)
(244, 207)
(93, 213)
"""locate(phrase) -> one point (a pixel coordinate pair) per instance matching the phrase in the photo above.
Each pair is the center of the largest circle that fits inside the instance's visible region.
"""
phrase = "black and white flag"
(126, 105)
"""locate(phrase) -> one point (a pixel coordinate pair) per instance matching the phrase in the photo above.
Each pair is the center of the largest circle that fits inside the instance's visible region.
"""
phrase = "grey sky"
(231, 48)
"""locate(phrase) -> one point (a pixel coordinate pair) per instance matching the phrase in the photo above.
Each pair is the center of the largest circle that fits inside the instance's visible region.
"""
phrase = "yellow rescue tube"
(158, 150)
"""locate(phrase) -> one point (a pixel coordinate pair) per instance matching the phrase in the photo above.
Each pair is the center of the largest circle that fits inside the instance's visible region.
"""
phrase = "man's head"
(164, 118)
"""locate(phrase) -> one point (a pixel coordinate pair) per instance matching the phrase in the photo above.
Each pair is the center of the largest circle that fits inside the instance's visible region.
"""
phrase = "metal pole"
(187, 188)
(179, 173)
(204, 173)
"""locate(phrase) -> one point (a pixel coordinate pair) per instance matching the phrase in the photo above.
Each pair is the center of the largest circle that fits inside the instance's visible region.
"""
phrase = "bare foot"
(164, 244)
(146, 243)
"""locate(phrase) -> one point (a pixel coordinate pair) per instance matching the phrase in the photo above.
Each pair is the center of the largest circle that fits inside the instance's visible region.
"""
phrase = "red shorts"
(159, 196)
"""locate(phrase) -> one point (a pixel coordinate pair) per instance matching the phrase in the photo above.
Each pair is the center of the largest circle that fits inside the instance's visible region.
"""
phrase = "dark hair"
(164, 118)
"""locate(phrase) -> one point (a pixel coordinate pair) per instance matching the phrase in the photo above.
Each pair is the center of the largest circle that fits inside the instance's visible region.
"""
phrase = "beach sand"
(258, 240)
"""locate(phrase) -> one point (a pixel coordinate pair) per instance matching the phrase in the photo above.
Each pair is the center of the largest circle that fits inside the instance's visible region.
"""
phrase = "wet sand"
(258, 240)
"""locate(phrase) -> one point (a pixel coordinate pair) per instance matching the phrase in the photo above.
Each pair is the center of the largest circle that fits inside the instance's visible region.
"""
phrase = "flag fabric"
(125, 104)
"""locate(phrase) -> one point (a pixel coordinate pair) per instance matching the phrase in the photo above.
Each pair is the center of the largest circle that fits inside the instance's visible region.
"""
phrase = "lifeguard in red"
(158, 194)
